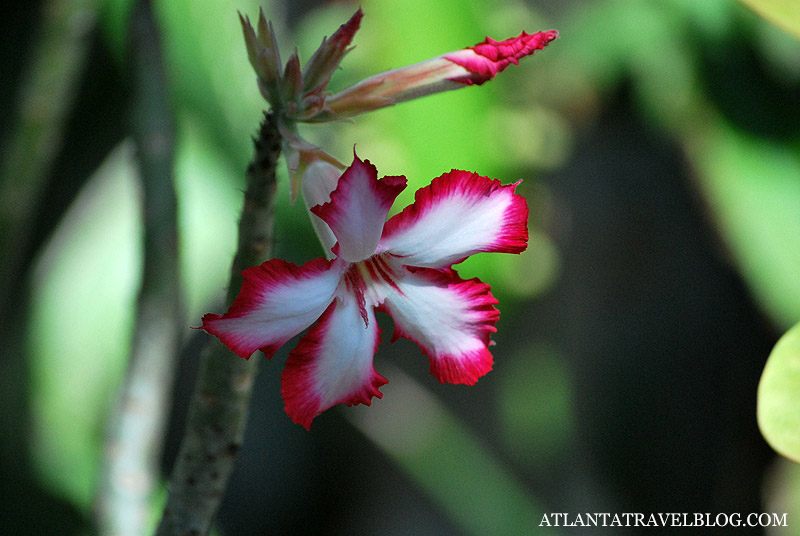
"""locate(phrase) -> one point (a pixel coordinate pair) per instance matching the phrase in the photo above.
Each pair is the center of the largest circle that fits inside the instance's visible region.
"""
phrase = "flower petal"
(319, 180)
(486, 59)
(458, 214)
(332, 364)
(278, 300)
(358, 207)
(449, 318)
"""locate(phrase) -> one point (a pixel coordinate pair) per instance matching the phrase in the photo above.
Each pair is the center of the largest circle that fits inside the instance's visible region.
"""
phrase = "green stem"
(218, 411)
(136, 427)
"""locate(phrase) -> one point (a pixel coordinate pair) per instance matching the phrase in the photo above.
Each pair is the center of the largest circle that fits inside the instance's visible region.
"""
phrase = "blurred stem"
(133, 445)
(218, 410)
(46, 91)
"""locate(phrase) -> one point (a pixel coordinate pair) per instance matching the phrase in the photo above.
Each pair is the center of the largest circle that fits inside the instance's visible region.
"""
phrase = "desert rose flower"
(402, 266)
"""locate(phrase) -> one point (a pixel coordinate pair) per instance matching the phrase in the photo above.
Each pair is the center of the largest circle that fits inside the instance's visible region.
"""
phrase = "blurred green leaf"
(209, 194)
(782, 493)
(779, 396)
(783, 13)
(447, 460)
(114, 15)
(536, 404)
(82, 310)
(753, 189)
(210, 75)
(751, 185)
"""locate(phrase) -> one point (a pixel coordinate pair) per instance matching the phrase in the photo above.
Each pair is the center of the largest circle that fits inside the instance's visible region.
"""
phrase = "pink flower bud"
(472, 65)
(486, 59)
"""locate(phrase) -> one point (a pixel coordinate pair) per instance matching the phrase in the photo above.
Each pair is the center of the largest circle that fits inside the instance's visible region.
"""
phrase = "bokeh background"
(658, 144)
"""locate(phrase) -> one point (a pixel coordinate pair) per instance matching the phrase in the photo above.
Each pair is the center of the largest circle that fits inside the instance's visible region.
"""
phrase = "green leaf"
(779, 396)
(784, 14)
(752, 187)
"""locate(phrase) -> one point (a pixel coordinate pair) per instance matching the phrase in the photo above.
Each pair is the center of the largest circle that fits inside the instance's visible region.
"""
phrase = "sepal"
(262, 51)
(292, 84)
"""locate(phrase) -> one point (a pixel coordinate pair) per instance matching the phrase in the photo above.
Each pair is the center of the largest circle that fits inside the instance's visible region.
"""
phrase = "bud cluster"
(298, 94)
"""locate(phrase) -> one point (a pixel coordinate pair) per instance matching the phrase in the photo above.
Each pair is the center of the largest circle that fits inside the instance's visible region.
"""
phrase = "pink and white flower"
(401, 266)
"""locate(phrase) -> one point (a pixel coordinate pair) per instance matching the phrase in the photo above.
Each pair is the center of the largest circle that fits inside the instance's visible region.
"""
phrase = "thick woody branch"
(219, 407)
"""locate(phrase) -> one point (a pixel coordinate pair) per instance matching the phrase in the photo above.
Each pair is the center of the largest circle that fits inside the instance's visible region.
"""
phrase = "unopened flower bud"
(472, 65)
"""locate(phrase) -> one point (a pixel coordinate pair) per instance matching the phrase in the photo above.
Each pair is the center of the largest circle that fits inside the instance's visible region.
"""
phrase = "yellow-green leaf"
(784, 14)
(779, 396)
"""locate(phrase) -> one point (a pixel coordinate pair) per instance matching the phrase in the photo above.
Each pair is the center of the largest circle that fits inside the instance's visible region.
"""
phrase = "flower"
(401, 266)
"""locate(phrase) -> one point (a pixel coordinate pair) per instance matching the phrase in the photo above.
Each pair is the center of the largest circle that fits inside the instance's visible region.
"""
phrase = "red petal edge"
(258, 280)
(469, 367)
(385, 190)
(512, 236)
(301, 403)
(358, 208)
(492, 57)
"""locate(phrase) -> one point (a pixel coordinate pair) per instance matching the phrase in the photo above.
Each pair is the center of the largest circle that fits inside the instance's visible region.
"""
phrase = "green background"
(657, 142)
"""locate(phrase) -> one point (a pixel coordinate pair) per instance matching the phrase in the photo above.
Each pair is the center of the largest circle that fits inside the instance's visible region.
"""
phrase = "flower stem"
(218, 410)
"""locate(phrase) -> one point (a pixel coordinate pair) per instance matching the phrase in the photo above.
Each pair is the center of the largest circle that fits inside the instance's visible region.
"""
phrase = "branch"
(218, 411)
(135, 435)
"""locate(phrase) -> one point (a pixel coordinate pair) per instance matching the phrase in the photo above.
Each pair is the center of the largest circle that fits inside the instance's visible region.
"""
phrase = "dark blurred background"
(658, 145)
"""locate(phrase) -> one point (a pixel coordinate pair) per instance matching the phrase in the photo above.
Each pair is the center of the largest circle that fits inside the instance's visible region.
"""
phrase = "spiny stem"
(218, 411)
